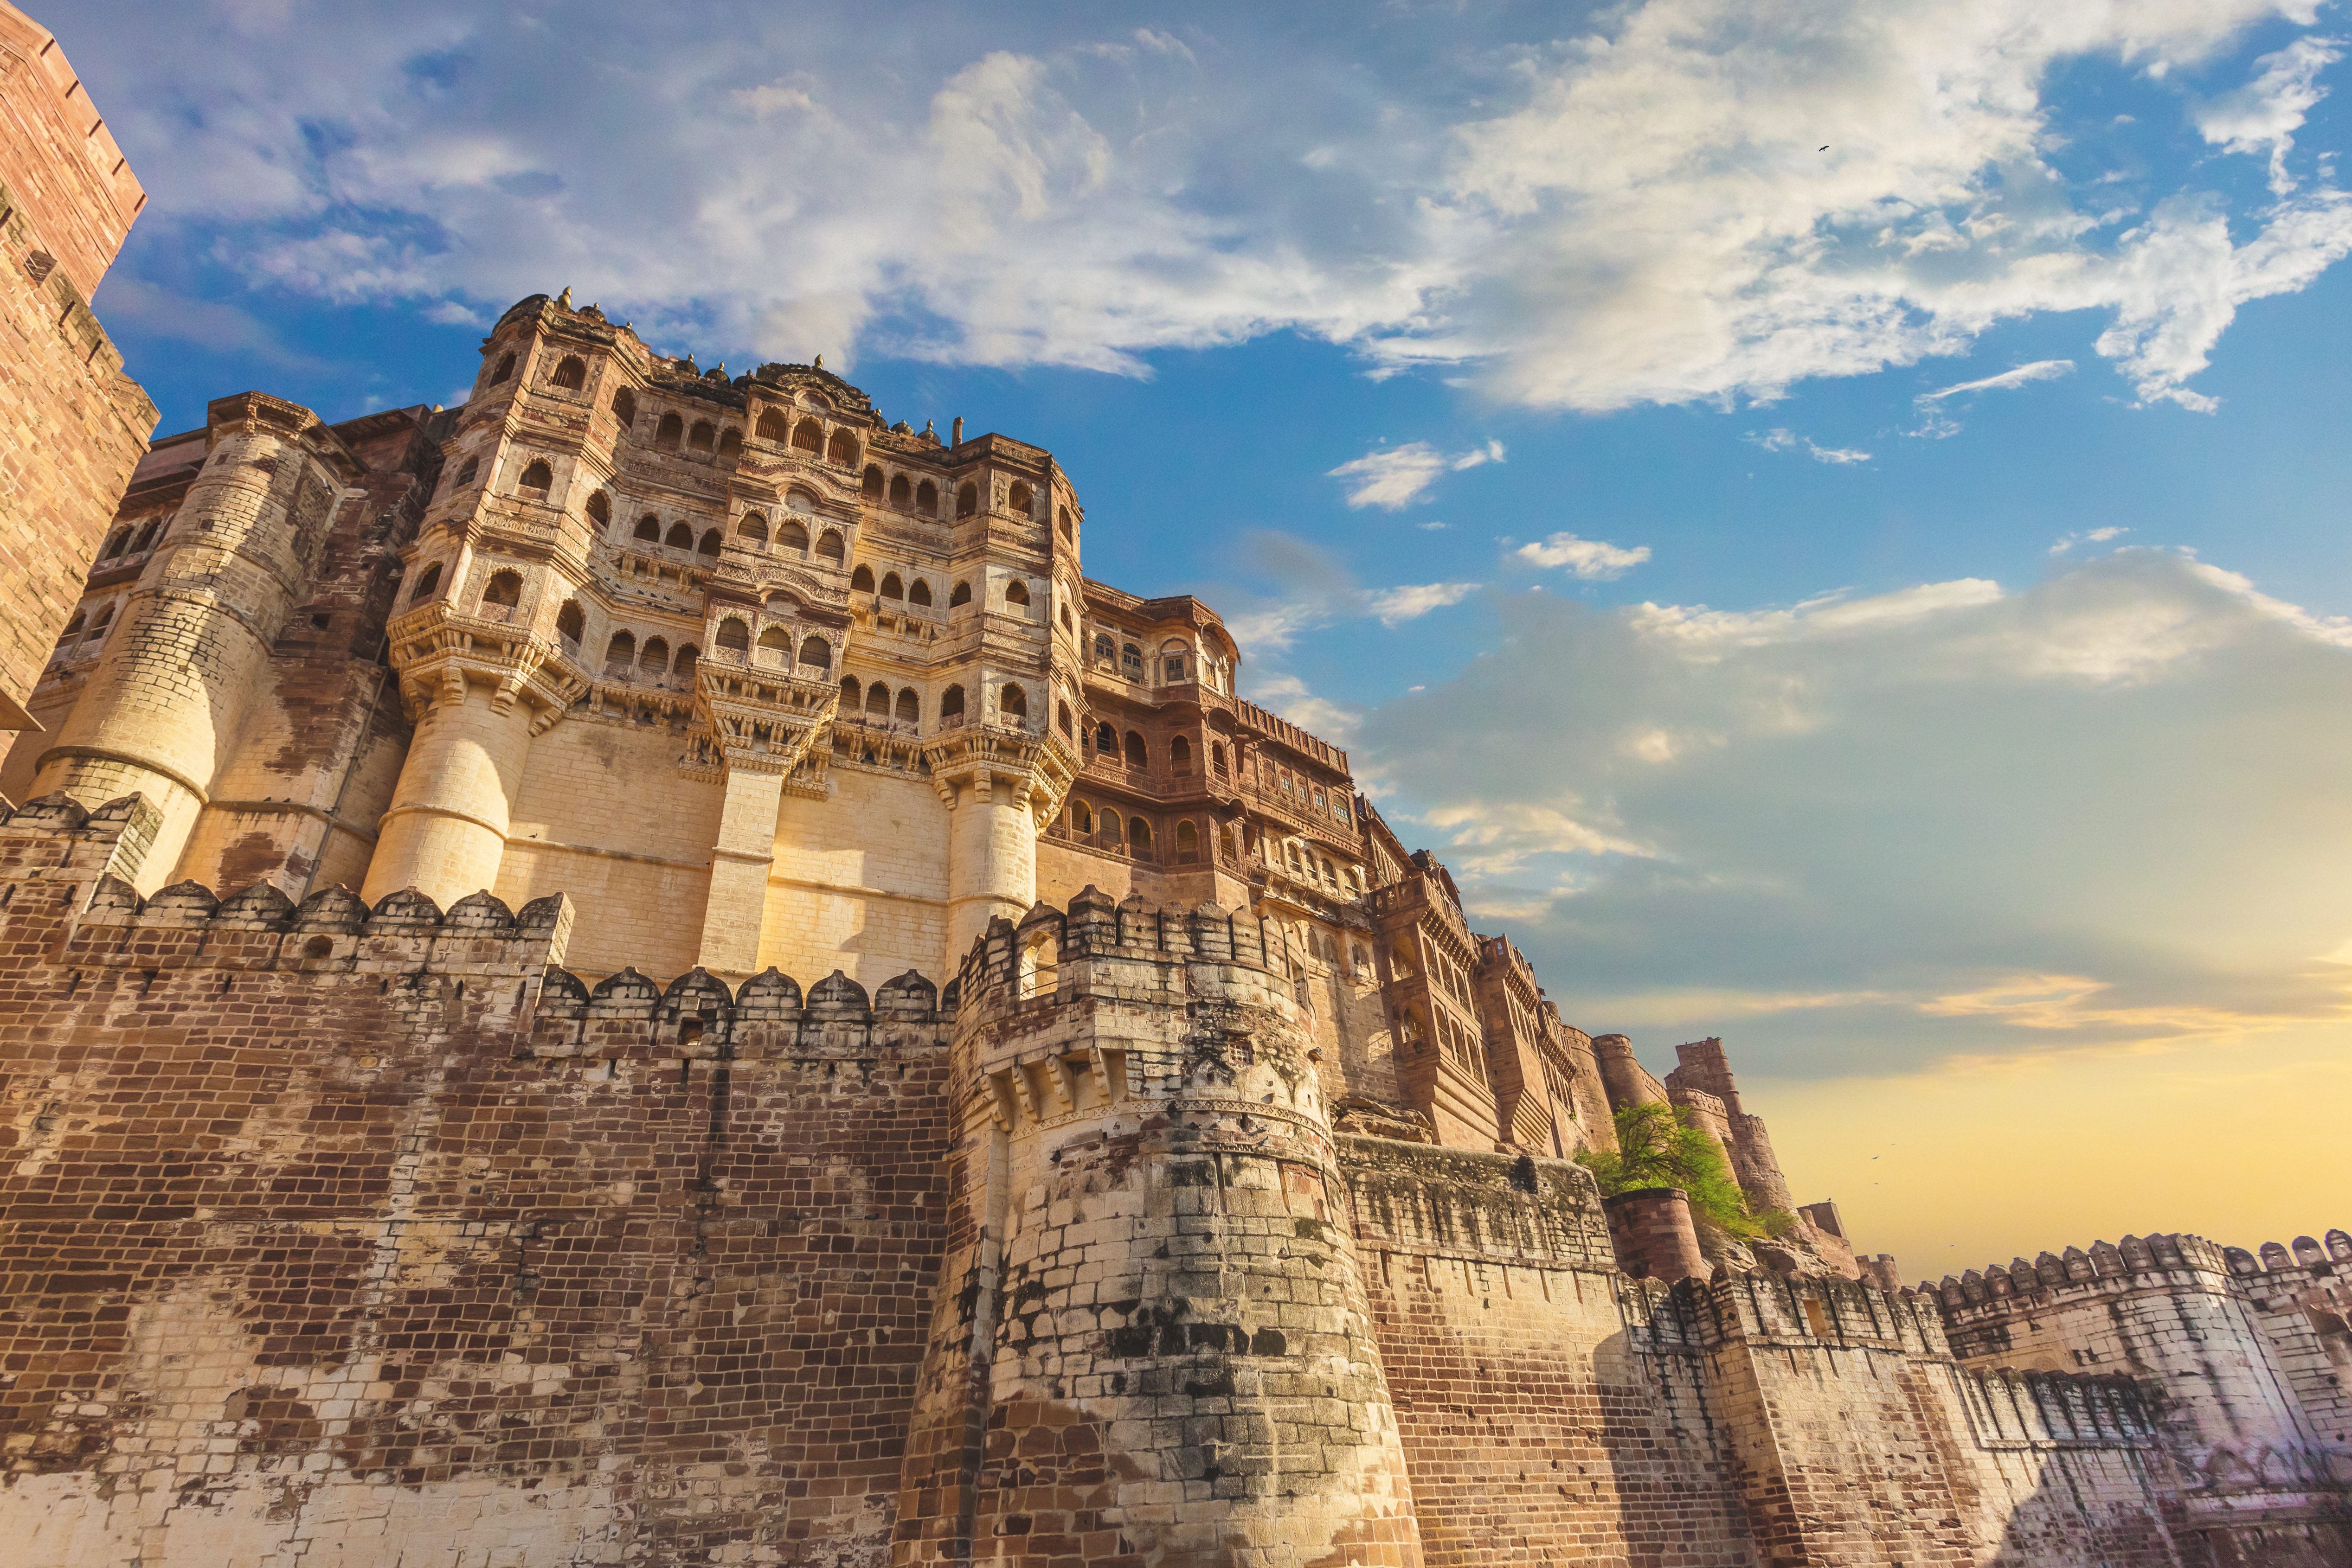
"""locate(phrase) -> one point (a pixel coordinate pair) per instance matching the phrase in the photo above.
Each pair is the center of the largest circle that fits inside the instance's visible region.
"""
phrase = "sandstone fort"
(643, 971)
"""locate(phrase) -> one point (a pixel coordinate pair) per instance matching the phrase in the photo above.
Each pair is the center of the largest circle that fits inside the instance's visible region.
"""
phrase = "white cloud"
(1395, 477)
(1394, 606)
(1783, 440)
(2087, 537)
(2038, 370)
(1631, 211)
(1595, 560)
(1290, 697)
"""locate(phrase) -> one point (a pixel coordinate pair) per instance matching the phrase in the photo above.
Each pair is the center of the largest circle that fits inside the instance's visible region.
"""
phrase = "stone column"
(170, 695)
(733, 913)
(992, 854)
(446, 830)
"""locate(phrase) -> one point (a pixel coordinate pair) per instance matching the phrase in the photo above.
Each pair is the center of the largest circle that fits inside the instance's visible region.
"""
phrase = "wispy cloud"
(2087, 537)
(2263, 116)
(1395, 606)
(1789, 440)
(1595, 560)
(1396, 476)
(1936, 422)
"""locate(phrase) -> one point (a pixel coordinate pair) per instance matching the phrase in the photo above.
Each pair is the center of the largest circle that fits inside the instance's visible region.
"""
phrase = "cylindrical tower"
(168, 699)
(447, 829)
(992, 854)
(1152, 1343)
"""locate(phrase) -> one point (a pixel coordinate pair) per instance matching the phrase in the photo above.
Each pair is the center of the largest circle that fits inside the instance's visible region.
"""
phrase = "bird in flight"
(1823, 148)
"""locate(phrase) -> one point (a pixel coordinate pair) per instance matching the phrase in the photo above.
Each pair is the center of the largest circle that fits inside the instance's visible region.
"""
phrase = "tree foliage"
(1660, 1144)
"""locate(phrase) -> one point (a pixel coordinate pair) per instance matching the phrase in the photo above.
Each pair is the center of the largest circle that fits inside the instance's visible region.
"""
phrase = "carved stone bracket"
(994, 761)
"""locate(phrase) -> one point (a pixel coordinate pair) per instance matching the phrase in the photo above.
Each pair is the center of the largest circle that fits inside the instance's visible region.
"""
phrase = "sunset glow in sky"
(1831, 517)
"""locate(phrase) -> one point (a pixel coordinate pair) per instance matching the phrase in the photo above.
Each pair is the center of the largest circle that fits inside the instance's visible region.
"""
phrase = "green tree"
(1660, 1144)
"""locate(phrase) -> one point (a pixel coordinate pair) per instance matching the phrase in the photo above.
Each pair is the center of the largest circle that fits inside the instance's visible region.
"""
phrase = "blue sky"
(1830, 516)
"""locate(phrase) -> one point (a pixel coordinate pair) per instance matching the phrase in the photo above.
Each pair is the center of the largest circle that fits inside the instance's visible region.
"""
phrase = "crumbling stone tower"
(1151, 1342)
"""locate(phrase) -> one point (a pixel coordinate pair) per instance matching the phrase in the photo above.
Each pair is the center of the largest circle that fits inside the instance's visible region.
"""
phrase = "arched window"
(1173, 664)
(810, 436)
(683, 665)
(892, 587)
(967, 500)
(146, 539)
(1016, 594)
(505, 368)
(775, 647)
(649, 528)
(901, 492)
(569, 622)
(1110, 828)
(960, 594)
(927, 499)
(730, 442)
(816, 654)
(843, 449)
(1226, 844)
(861, 581)
(1179, 755)
(849, 699)
(919, 595)
(1082, 818)
(505, 590)
(1062, 717)
(951, 706)
(734, 636)
(624, 407)
(711, 544)
(829, 546)
(599, 508)
(1188, 842)
(654, 659)
(115, 545)
(425, 584)
(571, 374)
(753, 527)
(1217, 758)
(681, 537)
(621, 653)
(72, 630)
(1040, 966)
(1019, 498)
(703, 436)
(537, 479)
(1107, 742)
(466, 470)
(670, 433)
(1139, 838)
(910, 706)
(1012, 701)
(1067, 624)
(870, 486)
(1137, 756)
(771, 426)
(877, 700)
(1106, 650)
(1130, 662)
(791, 536)
(1066, 522)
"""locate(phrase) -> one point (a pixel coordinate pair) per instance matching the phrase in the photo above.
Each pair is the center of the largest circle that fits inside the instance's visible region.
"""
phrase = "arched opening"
(653, 657)
(816, 654)
(1012, 701)
(829, 546)
(1017, 596)
(711, 544)
(1062, 717)
(843, 449)
(72, 630)
(1110, 829)
(505, 590)
(849, 699)
(1067, 624)
(1082, 818)
(967, 500)
(505, 368)
(571, 622)
(1065, 523)
(466, 470)
(1107, 742)
(1130, 662)
(703, 436)
(536, 480)
(730, 442)
(1226, 844)
(772, 426)
(1137, 755)
(791, 536)
(809, 436)
(571, 374)
(599, 508)
(927, 499)
(668, 433)
(1188, 842)
(951, 706)
(1175, 662)
(105, 619)
(1105, 651)
(870, 485)
(115, 543)
(649, 528)
(910, 706)
(679, 537)
(1019, 498)
(1180, 755)
(1139, 838)
(683, 665)
(892, 587)
(621, 653)
(861, 581)
(624, 407)
(960, 594)
(146, 539)
(776, 646)
(901, 492)
(877, 701)
(734, 636)
(919, 595)
(753, 527)
(1217, 758)
(425, 584)
(1039, 966)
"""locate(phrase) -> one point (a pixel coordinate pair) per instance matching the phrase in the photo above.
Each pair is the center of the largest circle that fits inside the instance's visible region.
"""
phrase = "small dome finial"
(818, 363)
(564, 299)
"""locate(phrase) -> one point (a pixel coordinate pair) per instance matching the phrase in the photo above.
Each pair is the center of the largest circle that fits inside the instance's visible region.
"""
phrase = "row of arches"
(1133, 835)
(774, 646)
(877, 707)
(625, 658)
(84, 629)
(126, 540)
(1134, 751)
